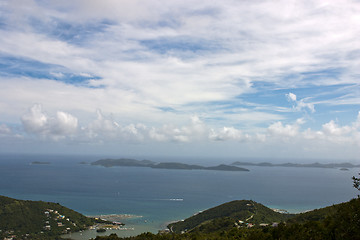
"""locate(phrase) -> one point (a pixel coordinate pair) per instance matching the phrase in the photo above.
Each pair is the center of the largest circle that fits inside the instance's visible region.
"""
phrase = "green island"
(342, 166)
(123, 162)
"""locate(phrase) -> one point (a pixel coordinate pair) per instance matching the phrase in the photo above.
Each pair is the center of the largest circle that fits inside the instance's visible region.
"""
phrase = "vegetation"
(235, 211)
(356, 182)
(340, 221)
(38, 220)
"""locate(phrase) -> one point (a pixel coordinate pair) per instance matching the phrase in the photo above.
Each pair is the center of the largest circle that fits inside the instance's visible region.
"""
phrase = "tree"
(356, 183)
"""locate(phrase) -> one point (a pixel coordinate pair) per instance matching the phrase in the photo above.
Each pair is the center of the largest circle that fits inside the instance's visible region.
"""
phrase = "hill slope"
(337, 222)
(38, 219)
(231, 213)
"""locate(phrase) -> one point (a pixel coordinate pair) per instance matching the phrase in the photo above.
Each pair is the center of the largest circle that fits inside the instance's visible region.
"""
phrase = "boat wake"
(171, 199)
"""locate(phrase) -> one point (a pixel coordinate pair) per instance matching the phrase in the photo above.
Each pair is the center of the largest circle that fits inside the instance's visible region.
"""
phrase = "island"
(39, 163)
(124, 162)
(342, 166)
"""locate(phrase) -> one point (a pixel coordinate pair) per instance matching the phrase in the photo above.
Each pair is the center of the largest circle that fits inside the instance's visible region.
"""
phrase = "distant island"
(39, 163)
(342, 166)
(124, 162)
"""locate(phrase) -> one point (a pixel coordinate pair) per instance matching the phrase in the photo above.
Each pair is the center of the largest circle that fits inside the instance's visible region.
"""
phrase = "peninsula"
(124, 162)
(24, 219)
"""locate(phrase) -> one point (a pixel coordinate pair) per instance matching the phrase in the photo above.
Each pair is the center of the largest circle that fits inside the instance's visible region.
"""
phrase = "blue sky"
(234, 79)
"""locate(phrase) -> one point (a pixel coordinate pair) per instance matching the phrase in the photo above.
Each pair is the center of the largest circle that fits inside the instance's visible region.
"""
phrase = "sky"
(221, 79)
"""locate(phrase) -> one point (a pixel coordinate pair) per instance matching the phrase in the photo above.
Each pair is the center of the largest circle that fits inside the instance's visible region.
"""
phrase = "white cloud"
(4, 130)
(356, 124)
(289, 130)
(291, 97)
(300, 104)
(35, 121)
(332, 129)
(332, 132)
(64, 124)
(194, 131)
(58, 127)
(228, 133)
(102, 126)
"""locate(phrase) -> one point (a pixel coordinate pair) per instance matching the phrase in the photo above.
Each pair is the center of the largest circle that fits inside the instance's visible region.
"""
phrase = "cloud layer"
(250, 72)
(102, 130)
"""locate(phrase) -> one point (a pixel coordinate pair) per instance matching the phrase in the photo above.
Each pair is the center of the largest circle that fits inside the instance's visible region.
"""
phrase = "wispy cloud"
(231, 63)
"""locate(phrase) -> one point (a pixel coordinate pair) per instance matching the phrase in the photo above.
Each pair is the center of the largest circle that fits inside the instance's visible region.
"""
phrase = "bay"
(160, 196)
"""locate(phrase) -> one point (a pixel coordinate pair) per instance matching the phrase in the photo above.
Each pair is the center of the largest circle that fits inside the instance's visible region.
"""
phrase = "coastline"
(115, 217)
(132, 227)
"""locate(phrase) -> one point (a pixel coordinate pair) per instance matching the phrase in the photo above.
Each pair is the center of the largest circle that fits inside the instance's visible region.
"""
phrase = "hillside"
(38, 220)
(337, 222)
(245, 211)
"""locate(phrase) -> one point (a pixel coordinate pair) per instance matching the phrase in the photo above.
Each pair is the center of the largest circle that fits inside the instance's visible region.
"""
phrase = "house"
(250, 225)
(165, 231)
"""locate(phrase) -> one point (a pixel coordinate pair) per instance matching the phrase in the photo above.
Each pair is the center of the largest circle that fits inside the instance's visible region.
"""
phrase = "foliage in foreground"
(38, 220)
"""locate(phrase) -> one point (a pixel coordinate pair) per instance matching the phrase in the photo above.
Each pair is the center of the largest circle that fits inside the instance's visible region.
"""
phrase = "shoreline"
(115, 217)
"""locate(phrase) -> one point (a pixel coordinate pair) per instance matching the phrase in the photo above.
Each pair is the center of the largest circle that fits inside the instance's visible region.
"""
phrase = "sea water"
(160, 196)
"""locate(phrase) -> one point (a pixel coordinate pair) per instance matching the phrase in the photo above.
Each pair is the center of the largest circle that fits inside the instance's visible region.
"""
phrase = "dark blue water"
(150, 193)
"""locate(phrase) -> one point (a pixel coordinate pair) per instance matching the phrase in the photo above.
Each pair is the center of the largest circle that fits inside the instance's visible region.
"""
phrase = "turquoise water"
(160, 195)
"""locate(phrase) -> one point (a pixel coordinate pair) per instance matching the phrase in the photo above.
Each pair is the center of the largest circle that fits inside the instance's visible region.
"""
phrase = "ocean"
(159, 196)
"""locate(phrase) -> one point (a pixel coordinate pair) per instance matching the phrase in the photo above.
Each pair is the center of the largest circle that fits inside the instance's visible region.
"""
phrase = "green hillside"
(337, 222)
(240, 212)
(38, 219)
